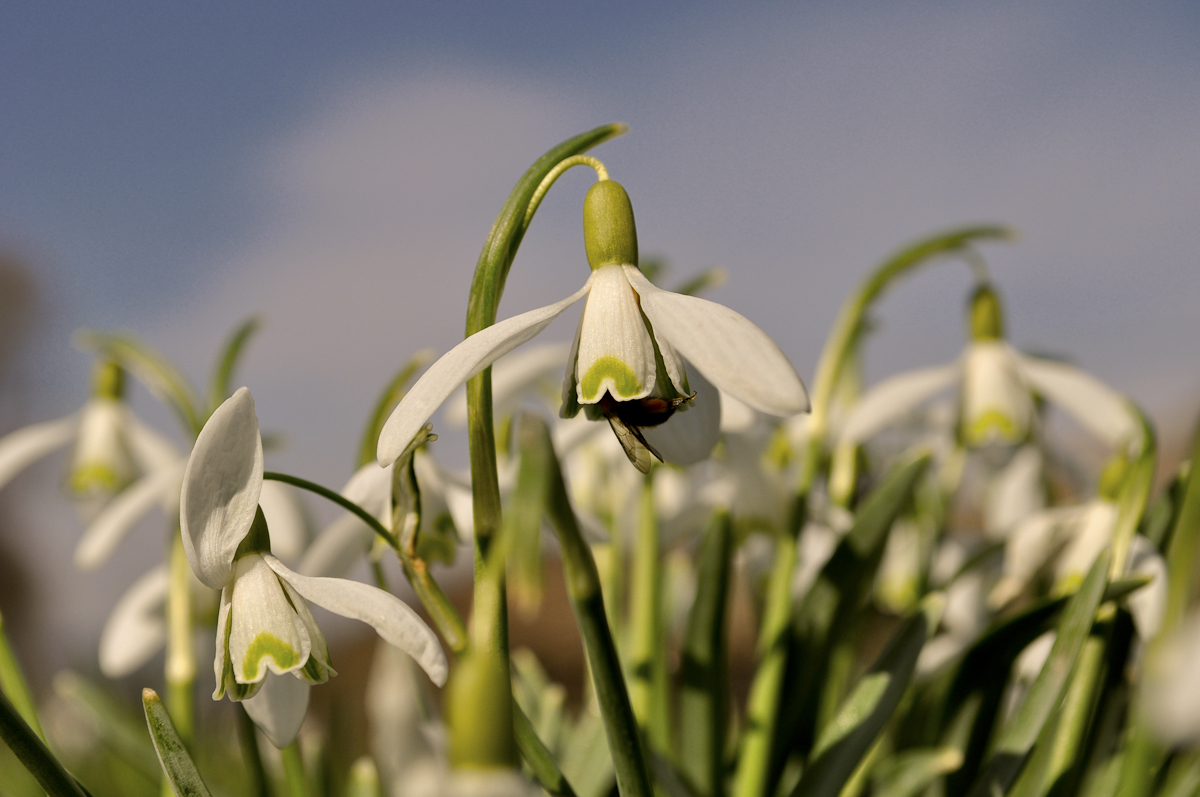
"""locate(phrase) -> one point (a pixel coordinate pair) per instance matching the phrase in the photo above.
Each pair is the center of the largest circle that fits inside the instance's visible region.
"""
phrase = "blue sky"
(171, 169)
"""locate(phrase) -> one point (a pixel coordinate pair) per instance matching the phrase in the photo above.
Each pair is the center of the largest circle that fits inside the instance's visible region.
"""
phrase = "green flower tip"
(987, 316)
(257, 540)
(108, 380)
(609, 233)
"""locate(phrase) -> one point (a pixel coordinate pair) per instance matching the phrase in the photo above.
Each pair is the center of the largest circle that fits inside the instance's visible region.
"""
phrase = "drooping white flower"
(996, 386)
(264, 624)
(111, 449)
(633, 344)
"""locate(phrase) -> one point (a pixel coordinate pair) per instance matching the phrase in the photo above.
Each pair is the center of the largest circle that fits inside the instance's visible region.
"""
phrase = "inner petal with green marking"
(611, 374)
(286, 657)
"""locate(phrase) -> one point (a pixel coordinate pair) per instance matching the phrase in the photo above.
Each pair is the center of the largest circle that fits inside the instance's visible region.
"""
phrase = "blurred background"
(170, 169)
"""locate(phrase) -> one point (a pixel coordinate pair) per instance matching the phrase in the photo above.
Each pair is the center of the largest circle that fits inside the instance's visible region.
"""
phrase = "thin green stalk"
(293, 770)
(849, 324)
(762, 706)
(704, 682)
(1182, 549)
(647, 653)
(228, 360)
(490, 620)
(15, 687)
(341, 501)
(583, 588)
(180, 665)
(260, 785)
(32, 752)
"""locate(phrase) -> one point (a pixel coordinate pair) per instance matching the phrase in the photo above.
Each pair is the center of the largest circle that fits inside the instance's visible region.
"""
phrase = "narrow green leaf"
(1183, 776)
(844, 742)
(541, 764)
(1182, 548)
(172, 755)
(523, 519)
(227, 362)
(909, 773)
(157, 372)
(14, 686)
(33, 753)
(1017, 737)
(704, 687)
(583, 588)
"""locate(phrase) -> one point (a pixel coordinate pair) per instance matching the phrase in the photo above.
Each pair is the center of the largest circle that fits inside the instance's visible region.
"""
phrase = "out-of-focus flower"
(110, 447)
(996, 388)
(264, 623)
(628, 358)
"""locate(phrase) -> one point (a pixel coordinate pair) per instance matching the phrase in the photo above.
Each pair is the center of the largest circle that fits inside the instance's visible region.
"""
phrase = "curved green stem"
(342, 501)
(849, 324)
(490, 612)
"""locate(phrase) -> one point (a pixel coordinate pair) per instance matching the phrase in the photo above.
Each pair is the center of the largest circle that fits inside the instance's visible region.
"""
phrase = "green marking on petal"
(266, 644)
(625, 382)
(1006, 427)
(96, 477)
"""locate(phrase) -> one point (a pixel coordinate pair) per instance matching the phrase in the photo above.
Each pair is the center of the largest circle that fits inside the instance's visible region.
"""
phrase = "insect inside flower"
(628, 418)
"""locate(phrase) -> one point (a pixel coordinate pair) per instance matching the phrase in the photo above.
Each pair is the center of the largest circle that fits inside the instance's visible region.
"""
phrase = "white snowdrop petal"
(151, 450)
(894, 398)
(135, 630)
(615, 351)
(456, 367)
(733, 353)
(996, 405)
(279, 708)
(221, 486)
(265, 631)
(391, 617)
(20, 449)
(1148, 604)
(514, 376)
(115, 520)
(1101, 410)
(688, 436)
(222, 652)
(1015, 493)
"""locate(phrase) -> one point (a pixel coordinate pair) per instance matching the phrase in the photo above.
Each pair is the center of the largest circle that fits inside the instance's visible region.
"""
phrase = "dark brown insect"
(628, 418)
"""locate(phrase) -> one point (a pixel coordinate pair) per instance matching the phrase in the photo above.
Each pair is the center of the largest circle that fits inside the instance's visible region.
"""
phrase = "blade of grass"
(172, 755)
(32, 752)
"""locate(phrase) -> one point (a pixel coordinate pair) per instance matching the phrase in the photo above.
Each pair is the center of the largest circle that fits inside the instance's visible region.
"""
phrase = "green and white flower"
(111, 449)
(264, 624)
(996, 387)
(634, 341)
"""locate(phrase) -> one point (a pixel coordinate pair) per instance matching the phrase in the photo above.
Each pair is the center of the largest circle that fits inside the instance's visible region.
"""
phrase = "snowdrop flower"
(996, 385)
(136, 628)
(629, 358)
(110, 447)
(264, 624)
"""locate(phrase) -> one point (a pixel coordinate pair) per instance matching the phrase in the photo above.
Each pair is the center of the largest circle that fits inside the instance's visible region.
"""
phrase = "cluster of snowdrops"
(948, 598)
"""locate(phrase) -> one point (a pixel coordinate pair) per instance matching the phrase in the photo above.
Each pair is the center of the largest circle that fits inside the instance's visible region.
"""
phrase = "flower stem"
(648, 666)
(293, 770)
(583, 588)
(344, 503)
(490, 611)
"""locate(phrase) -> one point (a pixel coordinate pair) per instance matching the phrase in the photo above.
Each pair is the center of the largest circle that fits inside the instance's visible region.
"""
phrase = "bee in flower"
(630, 359)
(264, 624)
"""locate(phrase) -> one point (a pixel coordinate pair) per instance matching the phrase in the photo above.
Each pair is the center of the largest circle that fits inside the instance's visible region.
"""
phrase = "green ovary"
(268, 645)
(625, 382)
